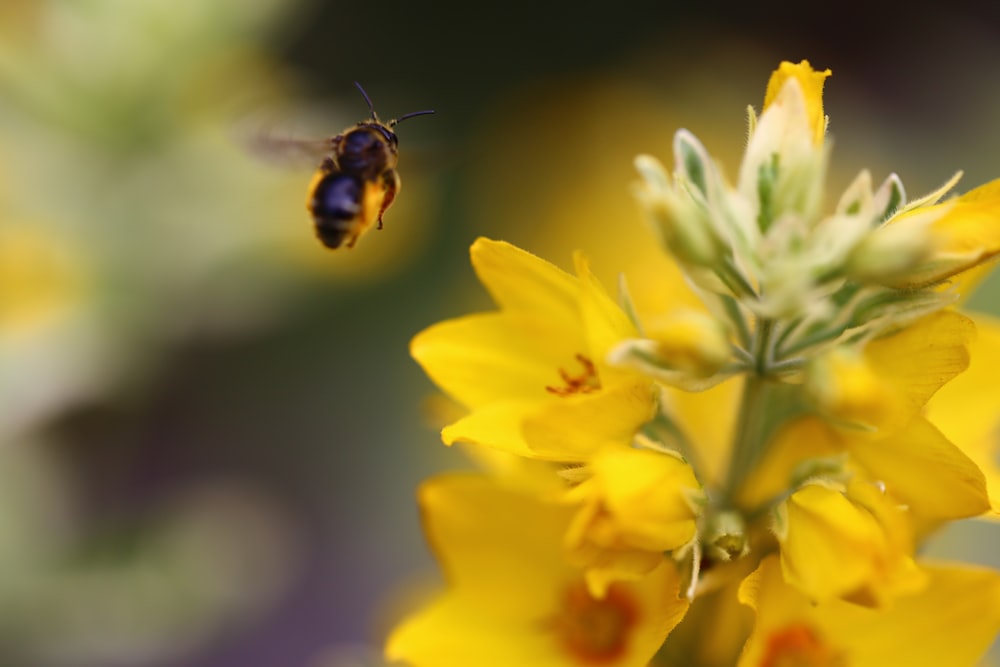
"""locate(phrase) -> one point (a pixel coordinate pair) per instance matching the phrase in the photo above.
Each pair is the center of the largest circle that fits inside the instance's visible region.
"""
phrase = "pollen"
(800, 646)
(595, 631)
(584, 383)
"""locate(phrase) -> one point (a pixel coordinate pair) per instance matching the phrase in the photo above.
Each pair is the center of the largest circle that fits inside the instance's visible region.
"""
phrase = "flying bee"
(356, 181)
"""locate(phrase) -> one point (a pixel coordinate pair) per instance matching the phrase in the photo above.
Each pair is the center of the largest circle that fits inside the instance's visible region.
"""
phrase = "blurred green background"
(211, 428)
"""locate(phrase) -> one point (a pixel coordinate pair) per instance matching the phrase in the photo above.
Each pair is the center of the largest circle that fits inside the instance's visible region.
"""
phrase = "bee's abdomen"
(335, 205)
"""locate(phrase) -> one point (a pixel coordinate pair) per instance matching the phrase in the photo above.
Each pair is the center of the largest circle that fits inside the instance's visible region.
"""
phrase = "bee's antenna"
(410, 115)
(392, 122)
(367, 99)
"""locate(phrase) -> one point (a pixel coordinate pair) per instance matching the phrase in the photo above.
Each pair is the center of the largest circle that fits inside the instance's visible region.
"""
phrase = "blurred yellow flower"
(635, 505)
(950, 622)
(42, 278)
(849, 542)
(512, 598)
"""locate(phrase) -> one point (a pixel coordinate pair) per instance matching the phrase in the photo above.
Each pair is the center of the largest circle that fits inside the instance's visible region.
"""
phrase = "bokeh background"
(210, 428)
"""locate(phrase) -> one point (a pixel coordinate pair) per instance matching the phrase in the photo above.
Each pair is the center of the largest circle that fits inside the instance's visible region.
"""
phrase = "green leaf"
(767, 177)
(692, 161)
(891, 196)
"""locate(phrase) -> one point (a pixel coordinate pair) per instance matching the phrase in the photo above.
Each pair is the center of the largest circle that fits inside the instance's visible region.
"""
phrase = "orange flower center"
(583, 383)
(595, 631)
(800, 646)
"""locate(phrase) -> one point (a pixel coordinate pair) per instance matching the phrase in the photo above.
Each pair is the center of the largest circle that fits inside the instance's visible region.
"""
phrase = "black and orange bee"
(356, 181)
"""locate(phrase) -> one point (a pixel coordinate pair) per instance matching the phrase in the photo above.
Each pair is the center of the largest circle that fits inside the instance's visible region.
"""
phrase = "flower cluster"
(747, 482)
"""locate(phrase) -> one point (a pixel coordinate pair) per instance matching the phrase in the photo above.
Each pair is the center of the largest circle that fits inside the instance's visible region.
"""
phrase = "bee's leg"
(390, 180)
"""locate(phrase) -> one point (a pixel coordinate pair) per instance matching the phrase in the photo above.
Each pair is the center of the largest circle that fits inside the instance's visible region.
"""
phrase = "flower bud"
(689, 350)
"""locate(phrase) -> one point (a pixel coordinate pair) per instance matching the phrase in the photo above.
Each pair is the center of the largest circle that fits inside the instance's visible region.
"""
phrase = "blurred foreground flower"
(820, 341)
(48, 304)
(129, 219)
(133, 593)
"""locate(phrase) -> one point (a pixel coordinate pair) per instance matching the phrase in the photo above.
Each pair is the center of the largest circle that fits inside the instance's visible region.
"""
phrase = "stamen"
(579, 384)
(595, 631)
(800, 646)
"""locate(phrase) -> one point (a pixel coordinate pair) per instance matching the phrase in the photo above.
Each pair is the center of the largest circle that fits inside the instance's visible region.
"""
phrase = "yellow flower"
(949, 622)
(512, 598)
(886, 392)
(534, 375)
(635, 505)
(850, 543)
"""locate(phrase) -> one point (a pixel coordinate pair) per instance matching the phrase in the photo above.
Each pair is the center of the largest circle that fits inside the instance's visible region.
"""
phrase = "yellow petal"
(921, 468)
(531, 476)
(796, 442)
(498, 425)
(621, 566)
(574, 427)
(835, 545)
(445, 635)
(921, 358)
(518, 280)
(455, 508)
(811, 82)
(636, 505)
(825, 551)
(566, 429)
(648, 494)
(966, 408)
(478, 359)
(971, 224)
(605, 323)
(845, 386)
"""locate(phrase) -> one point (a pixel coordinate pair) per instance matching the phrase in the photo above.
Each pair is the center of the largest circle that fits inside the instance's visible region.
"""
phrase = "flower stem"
(754, 421)
(747, 438)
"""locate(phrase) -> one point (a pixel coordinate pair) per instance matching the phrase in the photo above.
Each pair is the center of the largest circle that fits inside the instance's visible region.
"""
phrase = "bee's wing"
(289, 151)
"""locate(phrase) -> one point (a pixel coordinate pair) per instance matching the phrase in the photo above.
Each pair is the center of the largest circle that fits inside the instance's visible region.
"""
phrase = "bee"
(356, 181)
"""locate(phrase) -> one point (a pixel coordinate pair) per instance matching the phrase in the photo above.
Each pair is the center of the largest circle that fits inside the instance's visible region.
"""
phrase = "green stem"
(762, 346)
(747, 438)
(752, 421)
